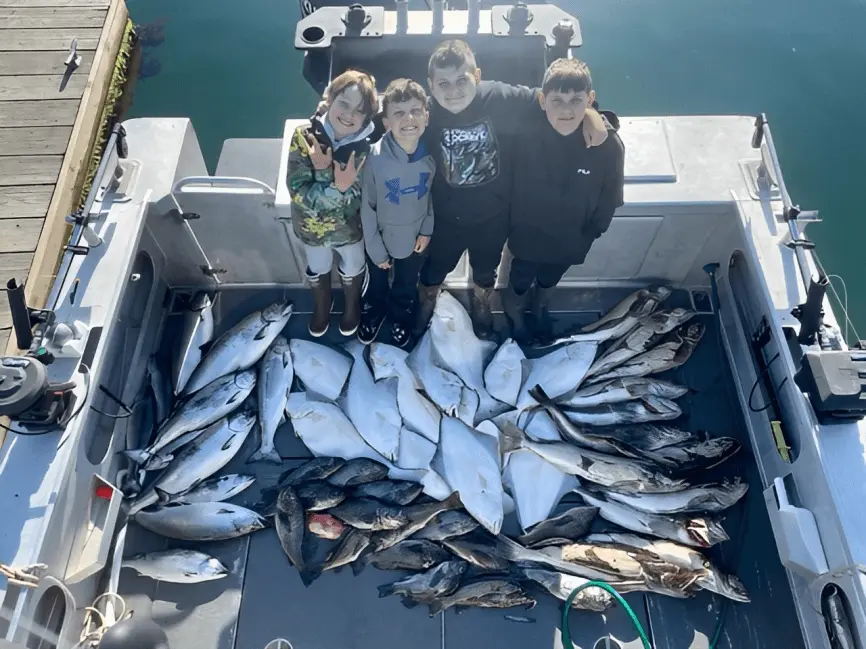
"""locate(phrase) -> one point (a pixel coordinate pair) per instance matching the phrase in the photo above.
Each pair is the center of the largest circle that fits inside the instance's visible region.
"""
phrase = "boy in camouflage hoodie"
(325, 158)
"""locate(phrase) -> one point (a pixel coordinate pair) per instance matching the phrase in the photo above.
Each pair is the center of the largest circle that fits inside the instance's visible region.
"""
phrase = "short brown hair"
(403, 90)
(366, 85)
(567, 75)
(451, 54)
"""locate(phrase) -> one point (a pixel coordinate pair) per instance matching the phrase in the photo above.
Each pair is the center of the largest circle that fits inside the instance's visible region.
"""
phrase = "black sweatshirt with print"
(474, 152)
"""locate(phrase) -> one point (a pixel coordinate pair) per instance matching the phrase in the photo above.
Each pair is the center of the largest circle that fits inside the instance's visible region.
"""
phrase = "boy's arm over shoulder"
(306, 184)
(516, 100)
(369, 216)
(613, 183)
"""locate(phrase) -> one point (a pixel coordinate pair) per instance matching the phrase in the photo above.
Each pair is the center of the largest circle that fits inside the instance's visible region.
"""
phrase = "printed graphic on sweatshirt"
(470, 154)
(395, 191)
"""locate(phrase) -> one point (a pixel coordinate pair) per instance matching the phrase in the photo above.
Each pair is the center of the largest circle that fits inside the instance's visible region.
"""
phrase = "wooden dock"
(50, 116)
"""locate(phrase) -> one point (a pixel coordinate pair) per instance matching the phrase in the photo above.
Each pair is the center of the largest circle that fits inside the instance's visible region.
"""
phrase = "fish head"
(643, 306)
(200, 302)
(277, 311)
(660, 293)
(706, 532)
(693, 333)
(725, 585)
(212, 567)
(678, 316)
(246, 380)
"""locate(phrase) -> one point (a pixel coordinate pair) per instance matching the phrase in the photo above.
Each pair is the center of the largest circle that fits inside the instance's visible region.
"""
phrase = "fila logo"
(395, 191)
(585, 172)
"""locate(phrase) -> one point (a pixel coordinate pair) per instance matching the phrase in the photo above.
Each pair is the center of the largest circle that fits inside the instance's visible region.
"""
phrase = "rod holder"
(810, 313)
(474, 16)
(21, 323)
(402, 7)
(438, 16)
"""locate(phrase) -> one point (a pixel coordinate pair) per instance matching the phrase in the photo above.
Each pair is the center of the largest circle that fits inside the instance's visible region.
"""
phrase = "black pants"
(484, 242)
(403, 295)
(524, 273)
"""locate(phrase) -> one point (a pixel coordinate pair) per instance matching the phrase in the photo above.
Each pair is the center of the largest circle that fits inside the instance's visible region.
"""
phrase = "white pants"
(320, 259)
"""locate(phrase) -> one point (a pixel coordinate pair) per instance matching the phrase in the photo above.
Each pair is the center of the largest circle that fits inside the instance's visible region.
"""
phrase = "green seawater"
(230, 66)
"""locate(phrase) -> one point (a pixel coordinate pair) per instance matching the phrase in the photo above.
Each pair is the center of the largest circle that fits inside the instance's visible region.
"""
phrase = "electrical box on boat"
(836, 384)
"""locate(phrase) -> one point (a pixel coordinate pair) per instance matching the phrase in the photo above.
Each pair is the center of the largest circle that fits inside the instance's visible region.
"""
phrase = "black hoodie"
(474, 152)
(564, 193)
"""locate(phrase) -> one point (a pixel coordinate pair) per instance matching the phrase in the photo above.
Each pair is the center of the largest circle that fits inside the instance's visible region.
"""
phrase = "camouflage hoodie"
(322, 215)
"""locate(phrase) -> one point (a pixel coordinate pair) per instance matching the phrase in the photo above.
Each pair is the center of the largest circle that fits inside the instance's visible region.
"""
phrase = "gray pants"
(320, 259)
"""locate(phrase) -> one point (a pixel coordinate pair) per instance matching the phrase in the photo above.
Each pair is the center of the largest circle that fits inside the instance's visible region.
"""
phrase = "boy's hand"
(421, 243)
(344, 177)
(320, 159)
(385, 265)
(594, 128)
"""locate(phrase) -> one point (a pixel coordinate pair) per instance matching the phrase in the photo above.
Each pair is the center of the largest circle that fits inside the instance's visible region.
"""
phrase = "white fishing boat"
(706, 212)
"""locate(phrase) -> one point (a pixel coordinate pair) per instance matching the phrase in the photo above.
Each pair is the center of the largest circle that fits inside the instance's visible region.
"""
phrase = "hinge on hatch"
(186, 216)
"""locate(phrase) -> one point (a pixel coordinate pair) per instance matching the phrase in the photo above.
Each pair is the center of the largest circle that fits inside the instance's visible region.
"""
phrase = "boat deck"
(49, 119)
(263, 597)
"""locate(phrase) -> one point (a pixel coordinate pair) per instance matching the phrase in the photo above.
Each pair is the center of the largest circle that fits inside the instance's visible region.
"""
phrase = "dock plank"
(19, 235)
(4, 336)
(34, 140)
(12, 40)
(13, 264)
(29, 170)
(55, 3)
(51, 62)
(38, 112)
(42, 86)
(48, 17)
(27, 202)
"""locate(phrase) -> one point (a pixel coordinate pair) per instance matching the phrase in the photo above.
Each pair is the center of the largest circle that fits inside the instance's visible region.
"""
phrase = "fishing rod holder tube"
(474, 16)
(402, 16)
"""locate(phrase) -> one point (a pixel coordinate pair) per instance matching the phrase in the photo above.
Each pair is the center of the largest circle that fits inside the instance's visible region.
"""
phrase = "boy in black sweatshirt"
(564, 194)
(472, 135)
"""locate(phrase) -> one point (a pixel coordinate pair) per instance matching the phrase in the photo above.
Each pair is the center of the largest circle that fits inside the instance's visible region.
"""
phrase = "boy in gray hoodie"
(396, 212)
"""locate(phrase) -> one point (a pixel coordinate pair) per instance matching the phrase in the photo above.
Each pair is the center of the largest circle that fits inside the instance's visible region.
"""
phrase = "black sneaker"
(372, 319)
(400, 333)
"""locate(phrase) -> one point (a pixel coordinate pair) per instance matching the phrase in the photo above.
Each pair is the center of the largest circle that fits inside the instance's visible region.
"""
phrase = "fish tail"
(386, 590)
(512, 438)
(360, 563)
(271, 457)
(437, 606)
(309, 575)
(540, 395)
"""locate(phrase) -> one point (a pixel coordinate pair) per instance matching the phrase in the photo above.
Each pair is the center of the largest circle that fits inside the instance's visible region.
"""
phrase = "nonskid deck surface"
(263, 597)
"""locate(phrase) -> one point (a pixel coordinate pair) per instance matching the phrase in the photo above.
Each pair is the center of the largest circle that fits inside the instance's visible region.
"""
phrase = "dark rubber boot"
(515, 306)
(351, 318)
(320, 285)
(542, 325)
(482, 317)
(426, 303)
(372, 318)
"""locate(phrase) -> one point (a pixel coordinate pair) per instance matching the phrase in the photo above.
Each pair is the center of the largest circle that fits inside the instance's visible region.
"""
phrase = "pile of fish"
(419, 457)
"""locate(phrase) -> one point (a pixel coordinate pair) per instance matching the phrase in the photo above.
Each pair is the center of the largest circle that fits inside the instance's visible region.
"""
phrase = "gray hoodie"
(395, 199)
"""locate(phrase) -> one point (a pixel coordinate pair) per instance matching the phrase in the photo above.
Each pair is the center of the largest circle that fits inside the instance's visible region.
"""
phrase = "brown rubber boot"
(482, 317)
(352, 287)
(426, 304)
(320, 285)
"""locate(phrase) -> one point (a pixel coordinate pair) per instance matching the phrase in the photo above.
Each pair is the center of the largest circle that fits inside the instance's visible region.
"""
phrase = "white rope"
(92, 635)
(26, 577)
(843, 302)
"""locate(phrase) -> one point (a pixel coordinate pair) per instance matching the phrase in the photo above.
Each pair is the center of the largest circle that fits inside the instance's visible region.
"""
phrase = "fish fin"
(539, 395)
(437, 606)
(386, 590)
(267, 456)
(164, 496)
(263, 332)
(360, 563)
(511, 438)
(408, 603)
(309, 575)
(139, 456)
(234, 398)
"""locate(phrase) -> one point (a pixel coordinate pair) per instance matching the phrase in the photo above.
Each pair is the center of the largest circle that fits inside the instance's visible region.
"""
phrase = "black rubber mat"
(264, 599)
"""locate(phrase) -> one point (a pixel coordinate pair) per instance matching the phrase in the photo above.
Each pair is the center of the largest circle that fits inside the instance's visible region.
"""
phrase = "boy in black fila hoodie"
(564, 194)
(472, 135)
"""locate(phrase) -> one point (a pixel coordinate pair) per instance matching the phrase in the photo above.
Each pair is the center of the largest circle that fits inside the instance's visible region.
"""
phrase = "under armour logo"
(585, 172)
(395, 191)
